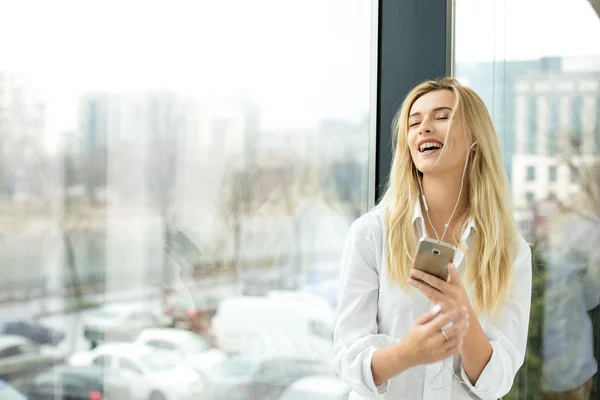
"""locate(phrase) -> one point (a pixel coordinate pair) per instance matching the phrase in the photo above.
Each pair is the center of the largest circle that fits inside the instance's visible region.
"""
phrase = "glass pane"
(198, 161)
(541, 82)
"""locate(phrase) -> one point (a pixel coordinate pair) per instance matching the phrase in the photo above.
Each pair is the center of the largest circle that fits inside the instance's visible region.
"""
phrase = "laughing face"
(428, 122)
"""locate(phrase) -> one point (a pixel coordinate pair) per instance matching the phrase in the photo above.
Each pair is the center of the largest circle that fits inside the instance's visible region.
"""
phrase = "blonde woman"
(572, 291)
(404, 334)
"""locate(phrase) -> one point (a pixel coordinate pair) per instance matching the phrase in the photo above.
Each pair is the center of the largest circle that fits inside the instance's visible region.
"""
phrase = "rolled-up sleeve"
(356, 335)
(507, 334)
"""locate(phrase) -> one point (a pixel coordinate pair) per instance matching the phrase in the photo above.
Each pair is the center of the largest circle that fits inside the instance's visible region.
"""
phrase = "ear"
(474, 146)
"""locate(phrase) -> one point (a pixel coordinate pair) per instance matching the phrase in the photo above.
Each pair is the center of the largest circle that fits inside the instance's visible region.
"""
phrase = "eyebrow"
(434, 110)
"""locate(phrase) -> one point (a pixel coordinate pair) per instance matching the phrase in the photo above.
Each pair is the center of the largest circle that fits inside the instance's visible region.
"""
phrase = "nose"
(426, 127)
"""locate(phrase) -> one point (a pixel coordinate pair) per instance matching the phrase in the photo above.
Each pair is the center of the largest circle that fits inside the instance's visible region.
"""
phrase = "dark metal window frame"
(415, 43)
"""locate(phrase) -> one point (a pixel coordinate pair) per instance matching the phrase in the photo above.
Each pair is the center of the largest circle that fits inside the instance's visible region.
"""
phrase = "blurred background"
(177, 180)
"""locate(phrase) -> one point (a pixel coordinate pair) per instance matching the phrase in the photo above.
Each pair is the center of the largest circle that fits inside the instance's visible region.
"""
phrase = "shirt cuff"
(481, 386)
(382, 388)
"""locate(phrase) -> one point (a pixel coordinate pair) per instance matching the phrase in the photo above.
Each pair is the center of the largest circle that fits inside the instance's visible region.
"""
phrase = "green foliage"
(528, 382)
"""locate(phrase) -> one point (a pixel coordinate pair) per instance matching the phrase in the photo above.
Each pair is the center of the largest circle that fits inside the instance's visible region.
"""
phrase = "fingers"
(455, 316)
(458, 329)
(429, 316)
(427, 290)
(431, 280)
(452, 346)
(453, 275)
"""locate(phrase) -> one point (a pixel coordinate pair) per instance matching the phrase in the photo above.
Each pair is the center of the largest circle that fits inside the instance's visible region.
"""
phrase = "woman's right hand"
(425, 342)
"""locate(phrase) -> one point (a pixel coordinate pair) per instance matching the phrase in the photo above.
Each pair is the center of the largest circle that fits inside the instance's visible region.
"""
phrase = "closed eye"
(414, 124)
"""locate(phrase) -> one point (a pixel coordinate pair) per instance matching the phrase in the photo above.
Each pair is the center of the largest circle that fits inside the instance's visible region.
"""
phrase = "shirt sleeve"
(507, 335)
(591, 278)
(356, 335)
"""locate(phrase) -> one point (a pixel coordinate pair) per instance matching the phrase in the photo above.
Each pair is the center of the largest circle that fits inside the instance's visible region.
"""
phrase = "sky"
(525, 29)
(301, 60)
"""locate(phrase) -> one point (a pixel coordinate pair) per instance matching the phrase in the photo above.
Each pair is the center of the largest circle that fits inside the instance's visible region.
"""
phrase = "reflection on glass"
(164, 166)
(543, 90)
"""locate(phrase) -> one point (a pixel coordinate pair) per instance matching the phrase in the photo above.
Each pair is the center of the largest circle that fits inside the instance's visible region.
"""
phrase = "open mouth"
(430, 147)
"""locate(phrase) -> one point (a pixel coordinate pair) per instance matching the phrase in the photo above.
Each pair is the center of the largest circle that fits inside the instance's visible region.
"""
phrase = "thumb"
(453, 275)
(430, 315)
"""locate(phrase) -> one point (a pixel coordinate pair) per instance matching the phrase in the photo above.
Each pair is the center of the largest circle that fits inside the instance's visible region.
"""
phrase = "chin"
(428, 168)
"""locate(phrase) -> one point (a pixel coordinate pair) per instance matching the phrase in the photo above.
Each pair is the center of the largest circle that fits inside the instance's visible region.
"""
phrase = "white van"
(282, 324)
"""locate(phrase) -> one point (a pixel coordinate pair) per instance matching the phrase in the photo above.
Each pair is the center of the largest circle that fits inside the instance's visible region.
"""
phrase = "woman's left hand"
(448, 294)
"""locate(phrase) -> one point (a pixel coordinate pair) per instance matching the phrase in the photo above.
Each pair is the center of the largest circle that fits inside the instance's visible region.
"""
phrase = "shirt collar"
(418, 216)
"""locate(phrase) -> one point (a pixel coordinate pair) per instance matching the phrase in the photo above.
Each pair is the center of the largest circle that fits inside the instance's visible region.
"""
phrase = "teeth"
(430, 145)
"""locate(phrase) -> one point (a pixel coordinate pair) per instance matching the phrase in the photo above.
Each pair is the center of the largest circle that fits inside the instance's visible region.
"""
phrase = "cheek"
(413, 151)
(456, 138)
(411, 138)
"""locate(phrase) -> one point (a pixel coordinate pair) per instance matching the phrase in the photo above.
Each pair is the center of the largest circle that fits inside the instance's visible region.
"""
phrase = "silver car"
(120, 323)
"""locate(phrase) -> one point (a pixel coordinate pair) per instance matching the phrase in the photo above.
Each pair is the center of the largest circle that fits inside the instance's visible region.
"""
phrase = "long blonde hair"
(490, 268)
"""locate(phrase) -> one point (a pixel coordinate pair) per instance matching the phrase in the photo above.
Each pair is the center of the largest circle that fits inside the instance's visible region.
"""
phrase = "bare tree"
(585, 168)
(236, 206)
(169, 118)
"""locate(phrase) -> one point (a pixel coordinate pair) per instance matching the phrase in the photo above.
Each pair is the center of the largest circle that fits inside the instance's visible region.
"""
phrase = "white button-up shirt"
(374, 312)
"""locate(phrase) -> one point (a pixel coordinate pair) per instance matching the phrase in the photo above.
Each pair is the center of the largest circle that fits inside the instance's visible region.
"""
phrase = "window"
(530, 197)
(159, 361)
(518, 67)
(532, 131)
(530, 173)
(74, 385)
(45, 383)
(20, 326)
(129, 365)
(27, 349)
(574, 173)
(552, 174)
(553, 124)
(161, 344)
(103, 361)
(11, 351)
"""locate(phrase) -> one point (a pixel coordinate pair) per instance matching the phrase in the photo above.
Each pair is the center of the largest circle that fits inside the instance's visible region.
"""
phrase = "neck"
(442, 194)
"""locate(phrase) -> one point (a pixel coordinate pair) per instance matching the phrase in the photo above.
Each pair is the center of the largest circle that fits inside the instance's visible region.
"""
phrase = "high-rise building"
(23, 154)
(547, 115)
(495, 83)
(557, 128)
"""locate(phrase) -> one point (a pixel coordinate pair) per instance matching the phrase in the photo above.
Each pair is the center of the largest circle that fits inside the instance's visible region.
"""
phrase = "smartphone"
(433, 257)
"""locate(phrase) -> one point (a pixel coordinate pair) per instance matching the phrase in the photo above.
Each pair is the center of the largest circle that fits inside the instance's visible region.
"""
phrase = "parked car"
(77, 383)
(32, 330)
(243, 377)
(152, 374)
(120, 323)
(7, 392)
(193, 350)
(291, 324)
(21, 358)
(317, 388)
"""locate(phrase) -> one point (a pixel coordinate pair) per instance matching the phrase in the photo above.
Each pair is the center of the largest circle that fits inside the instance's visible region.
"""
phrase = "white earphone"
(457, 200)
